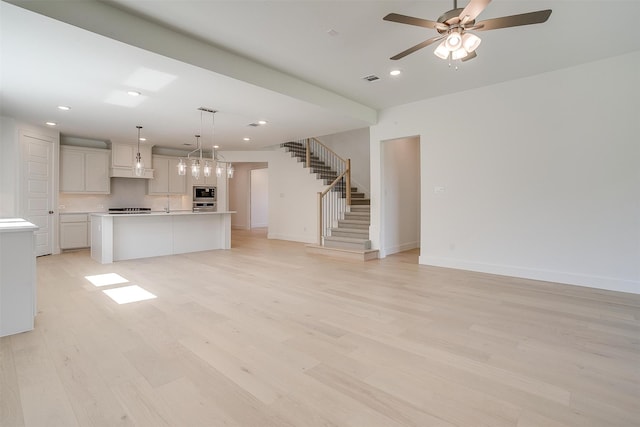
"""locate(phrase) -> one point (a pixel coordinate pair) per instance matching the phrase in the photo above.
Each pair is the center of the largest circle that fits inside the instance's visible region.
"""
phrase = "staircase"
(350, 235)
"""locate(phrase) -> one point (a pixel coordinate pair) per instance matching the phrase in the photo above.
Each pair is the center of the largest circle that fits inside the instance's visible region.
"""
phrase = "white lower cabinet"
(75, 231)
(17, 276)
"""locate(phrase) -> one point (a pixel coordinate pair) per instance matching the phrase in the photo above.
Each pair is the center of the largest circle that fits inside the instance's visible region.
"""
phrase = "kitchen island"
(17, 275)
(118, 237)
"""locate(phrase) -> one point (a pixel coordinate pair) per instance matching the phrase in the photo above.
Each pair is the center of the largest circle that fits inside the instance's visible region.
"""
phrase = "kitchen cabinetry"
(17, 276)
(166, 179)
(123, 157)
(84, 170)
(131, 236)
(75, 231)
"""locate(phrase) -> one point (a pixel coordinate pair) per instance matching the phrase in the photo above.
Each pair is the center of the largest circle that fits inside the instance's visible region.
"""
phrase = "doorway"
(400, 227)
(38, 188)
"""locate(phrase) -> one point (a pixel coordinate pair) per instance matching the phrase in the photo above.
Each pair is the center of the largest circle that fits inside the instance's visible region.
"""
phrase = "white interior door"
(37, 188)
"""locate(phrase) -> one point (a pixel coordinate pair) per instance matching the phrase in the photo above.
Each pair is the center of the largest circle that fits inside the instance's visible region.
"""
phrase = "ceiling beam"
(106, 20)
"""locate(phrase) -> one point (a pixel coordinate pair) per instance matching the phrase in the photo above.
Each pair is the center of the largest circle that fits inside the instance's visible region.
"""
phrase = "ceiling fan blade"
(416, 47)
(410, 20)
(514, 20)
(469, 56)
(473, 9)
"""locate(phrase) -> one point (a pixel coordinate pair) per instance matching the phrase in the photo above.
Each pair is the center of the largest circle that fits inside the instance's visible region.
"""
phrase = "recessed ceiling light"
(262, 122)
(50, 123)
(216, 146)
(134, 93)
(246, 139)
(395, 72)
(64, 108)
(143, 139)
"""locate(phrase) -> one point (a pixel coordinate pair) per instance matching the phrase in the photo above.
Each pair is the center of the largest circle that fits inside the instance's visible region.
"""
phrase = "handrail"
(331, 205)
(333, 184)
(328, 149)
(329, 211)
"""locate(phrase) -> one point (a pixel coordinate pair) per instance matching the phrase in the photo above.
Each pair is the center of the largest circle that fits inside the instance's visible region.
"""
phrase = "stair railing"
(331, 205)
(333, 201)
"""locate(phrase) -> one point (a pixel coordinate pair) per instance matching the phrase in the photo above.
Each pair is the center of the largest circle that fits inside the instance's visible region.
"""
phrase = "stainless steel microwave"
(204, 193)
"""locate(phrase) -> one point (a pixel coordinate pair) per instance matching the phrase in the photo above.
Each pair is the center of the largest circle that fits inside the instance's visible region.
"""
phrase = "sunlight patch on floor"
(106, 279)
(127, 294)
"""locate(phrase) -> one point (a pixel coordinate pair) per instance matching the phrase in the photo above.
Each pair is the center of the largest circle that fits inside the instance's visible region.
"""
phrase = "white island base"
(129, 236)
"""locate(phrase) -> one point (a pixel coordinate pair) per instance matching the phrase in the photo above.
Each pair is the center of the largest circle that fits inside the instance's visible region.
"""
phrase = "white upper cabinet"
(166, 179)
(123, 158)
(123, 155)
(84, 170)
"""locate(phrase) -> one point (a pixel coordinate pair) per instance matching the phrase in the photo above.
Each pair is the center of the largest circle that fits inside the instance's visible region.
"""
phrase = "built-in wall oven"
(204, 198)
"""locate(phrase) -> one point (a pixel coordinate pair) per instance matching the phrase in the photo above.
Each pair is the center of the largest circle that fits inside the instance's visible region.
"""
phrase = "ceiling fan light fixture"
(453, 41)
(470, 42)
(459, 54)
(441, 51)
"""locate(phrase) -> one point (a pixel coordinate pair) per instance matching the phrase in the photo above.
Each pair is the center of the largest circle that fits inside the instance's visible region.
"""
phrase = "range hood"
(123, 160)
(122, 172)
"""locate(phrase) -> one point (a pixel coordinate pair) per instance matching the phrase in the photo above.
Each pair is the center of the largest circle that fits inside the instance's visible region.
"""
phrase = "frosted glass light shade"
(139, 167)
(470, 42)
(218, 170)
(195, 169)
(441, 51)
(182, 167)
(459, 54)
(206, 171)
(453, 41)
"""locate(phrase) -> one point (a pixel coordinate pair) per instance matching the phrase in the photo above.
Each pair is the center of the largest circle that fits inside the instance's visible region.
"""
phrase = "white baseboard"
(401, 248)
(292, 237)
(598, 282)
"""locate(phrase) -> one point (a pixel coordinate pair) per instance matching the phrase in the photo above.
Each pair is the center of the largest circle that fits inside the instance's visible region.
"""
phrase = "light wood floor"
(266, 335)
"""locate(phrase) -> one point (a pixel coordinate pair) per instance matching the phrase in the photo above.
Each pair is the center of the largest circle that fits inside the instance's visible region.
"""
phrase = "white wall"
(239, 196)
(353, 145)
(9, 153)
(292, 194)
(259, 198)
(401, 188)
(540, 175)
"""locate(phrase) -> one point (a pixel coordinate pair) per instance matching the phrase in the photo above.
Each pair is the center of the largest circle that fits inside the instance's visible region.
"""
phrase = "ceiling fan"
(454, 26)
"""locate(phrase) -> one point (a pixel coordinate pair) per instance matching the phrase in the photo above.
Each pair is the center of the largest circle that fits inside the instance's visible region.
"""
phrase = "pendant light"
(182, 167)
(195, 163)
(139, 166)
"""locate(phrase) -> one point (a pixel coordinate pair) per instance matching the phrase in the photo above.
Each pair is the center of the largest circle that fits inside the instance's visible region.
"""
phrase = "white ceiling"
(271, 60)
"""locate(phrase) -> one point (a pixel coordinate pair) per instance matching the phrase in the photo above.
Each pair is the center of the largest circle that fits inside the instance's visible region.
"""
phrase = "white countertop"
(15, 224)
(162, 213)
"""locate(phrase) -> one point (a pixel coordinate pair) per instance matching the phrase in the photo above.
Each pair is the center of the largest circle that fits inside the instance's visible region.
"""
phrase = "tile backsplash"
(125, 193)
